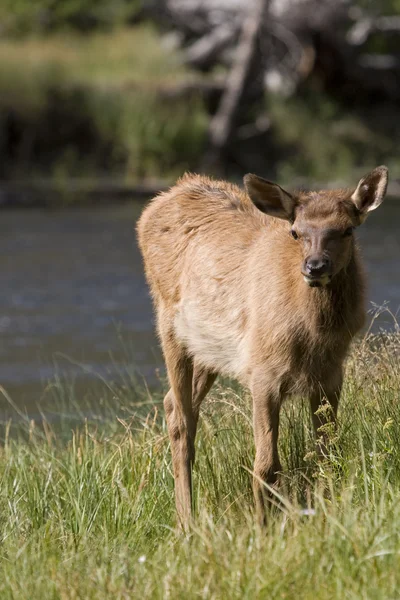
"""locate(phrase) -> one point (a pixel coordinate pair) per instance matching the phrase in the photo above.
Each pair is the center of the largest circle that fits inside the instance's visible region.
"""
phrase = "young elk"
(264, 285)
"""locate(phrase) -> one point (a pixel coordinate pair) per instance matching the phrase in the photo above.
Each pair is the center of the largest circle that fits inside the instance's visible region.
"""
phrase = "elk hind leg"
(203, 380)
(180, 421)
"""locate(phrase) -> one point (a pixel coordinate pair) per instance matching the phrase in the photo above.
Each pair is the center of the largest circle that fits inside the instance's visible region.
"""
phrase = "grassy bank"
(73, 105)
(105, 105)
(90, 514)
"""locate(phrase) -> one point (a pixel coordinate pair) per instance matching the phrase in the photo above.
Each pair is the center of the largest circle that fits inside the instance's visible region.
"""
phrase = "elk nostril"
(316, 266)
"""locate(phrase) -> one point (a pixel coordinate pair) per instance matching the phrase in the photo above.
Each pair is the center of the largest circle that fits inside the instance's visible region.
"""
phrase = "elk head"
(322, 223)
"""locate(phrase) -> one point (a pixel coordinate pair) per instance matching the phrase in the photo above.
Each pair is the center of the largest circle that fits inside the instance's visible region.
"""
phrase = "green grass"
(90, 513)
(20, 17)
(110, 59)
(73, 105)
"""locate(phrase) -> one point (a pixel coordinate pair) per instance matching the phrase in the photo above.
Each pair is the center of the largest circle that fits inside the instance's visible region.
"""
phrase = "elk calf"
(263, 285)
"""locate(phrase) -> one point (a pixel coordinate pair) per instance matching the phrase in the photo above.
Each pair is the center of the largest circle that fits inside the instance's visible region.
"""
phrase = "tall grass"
(82, 106)
(92, 516)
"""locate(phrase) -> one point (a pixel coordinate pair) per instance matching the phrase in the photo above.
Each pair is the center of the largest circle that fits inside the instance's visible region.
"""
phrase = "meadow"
(87, 509)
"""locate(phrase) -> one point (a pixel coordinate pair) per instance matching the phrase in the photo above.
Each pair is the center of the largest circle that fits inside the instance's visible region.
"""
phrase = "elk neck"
(338, 305)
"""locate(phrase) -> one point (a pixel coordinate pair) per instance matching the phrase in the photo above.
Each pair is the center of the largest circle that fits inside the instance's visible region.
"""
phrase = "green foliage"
(92, 516)
(80, 107)
(19, 17)
(95, 105)
(385, 7)
(321, 140)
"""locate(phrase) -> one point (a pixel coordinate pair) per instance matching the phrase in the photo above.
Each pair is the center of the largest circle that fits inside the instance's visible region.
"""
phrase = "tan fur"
(230, 298)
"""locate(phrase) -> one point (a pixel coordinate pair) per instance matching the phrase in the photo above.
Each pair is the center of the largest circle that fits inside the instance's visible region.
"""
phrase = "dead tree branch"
(222, 123)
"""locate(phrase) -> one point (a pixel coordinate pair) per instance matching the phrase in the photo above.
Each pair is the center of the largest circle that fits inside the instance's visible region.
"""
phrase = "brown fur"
(230, 298)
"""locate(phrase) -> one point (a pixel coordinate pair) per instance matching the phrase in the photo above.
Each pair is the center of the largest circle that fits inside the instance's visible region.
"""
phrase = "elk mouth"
(317, 282)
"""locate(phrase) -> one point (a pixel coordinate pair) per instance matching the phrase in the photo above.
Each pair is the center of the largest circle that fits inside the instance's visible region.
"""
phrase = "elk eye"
(294, 234)
(348, 231)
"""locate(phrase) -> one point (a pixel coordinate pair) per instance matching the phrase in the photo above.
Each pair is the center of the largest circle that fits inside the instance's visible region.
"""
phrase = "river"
(73, 297)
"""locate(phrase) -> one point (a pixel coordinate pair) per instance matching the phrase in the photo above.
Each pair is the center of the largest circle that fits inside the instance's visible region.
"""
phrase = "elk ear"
(269, 197)
(370, 191)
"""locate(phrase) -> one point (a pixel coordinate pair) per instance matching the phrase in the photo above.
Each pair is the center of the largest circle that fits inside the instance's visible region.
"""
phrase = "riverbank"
(95, 105)
(90, 514)
(44, 193)
(99, 192)
(82, 116)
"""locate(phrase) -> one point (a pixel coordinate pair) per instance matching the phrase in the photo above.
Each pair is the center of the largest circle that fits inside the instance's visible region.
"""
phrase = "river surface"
(73, 298)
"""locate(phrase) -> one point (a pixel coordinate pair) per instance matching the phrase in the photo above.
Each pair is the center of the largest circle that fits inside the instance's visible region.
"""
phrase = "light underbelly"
(214, 337)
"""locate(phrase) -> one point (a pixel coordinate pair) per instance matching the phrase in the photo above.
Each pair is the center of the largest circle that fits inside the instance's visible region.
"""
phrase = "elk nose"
(315, 267)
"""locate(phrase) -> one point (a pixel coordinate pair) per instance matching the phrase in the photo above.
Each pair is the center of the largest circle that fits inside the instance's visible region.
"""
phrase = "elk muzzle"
(317, 271)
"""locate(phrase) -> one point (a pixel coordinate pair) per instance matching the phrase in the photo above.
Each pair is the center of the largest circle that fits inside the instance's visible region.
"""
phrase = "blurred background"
(102, 104)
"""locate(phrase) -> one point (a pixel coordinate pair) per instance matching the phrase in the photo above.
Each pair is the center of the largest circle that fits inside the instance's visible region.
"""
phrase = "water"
(73, 294)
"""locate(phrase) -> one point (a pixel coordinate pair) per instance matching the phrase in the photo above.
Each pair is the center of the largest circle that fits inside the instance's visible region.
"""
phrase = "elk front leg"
(266, 409)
